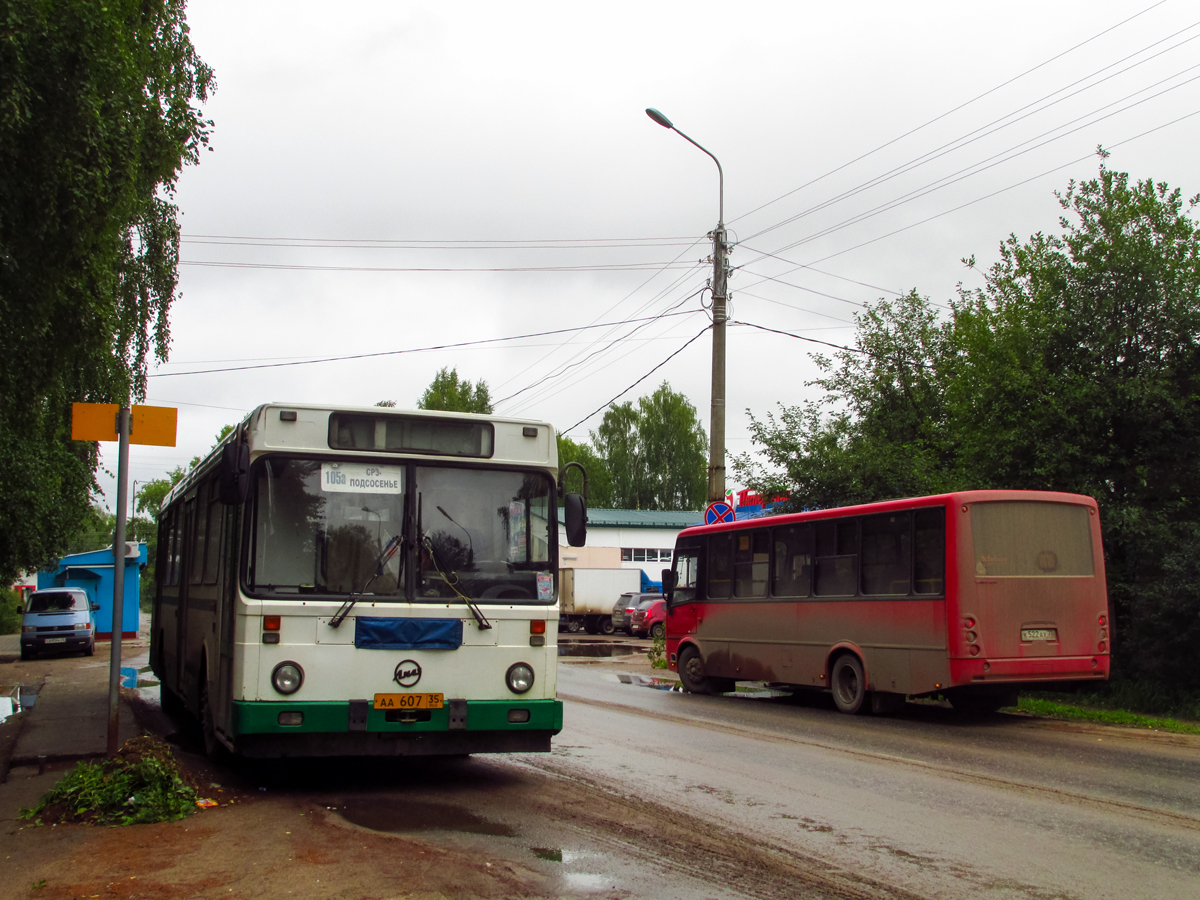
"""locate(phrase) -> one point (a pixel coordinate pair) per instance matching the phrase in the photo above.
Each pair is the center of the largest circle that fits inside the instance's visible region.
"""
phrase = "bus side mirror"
(668, 585)
(234, 477)
(575, 513)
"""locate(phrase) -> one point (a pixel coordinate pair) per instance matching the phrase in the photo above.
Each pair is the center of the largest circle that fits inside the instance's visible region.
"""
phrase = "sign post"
(139, 425)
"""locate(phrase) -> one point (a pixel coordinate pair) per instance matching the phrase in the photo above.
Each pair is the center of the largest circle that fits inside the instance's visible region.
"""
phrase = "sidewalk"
(68, 718)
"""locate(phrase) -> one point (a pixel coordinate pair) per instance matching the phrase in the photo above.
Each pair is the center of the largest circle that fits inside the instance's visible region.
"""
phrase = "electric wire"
(983, 130)
(476, 343)
(950, 112)
(985, 164)
(610, 267)
(686, 344)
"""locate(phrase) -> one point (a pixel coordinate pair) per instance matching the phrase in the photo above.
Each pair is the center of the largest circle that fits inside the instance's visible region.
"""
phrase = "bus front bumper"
(337, 729)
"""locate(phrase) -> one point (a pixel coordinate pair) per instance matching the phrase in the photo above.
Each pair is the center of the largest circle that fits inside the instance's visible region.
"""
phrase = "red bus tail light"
(970, 622)
(1102, 646)
(1103, 621)
(974, 650)
(271, 623)
(537, 626)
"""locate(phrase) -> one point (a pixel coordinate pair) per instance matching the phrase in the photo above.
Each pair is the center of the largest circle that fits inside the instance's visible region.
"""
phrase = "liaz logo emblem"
(408, 673)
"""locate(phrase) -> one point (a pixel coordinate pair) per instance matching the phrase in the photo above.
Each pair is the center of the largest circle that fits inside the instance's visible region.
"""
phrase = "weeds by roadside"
(140, 785)
(10, 611)
(657, 654)
(1040, 707)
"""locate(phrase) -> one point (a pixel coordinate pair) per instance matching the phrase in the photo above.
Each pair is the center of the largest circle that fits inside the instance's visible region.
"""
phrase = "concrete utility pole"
(720, 297)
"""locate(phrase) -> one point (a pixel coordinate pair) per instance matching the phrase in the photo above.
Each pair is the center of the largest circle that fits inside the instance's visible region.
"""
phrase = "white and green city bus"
(365, 582)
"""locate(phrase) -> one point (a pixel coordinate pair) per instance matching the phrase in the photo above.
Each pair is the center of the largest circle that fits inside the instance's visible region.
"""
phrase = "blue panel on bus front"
(407, 634)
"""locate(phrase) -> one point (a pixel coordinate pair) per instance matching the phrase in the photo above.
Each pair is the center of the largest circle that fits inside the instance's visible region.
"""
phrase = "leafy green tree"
(1076, 367)
(448, 393)
(98, 116)
(655, 453)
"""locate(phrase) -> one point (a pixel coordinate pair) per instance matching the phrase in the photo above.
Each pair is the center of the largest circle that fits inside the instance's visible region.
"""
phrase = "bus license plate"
(56, 640)
(408, 701)
(1039, 634)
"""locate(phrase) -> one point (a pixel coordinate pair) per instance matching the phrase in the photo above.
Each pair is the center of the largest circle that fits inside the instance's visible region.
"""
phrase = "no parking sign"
(718, 511)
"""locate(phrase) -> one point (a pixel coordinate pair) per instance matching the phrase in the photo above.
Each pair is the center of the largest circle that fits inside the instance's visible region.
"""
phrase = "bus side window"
(750, 563)
(792, 574)
(215, 521)
(886, 554)
(929, 551)
(837, 558)
(720, 551)
(199, 533)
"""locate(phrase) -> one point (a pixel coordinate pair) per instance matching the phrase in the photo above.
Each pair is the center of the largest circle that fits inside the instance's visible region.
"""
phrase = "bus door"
(226, 616)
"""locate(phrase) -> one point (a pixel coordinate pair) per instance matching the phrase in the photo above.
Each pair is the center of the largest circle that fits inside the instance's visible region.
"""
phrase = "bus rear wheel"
(846, 681)
(213, 748)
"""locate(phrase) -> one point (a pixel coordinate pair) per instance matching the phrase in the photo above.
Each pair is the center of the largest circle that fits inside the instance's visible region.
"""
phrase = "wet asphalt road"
(928, 802)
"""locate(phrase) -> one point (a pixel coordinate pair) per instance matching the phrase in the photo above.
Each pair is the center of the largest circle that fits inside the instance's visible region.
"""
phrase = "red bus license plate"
(1039, 634)
(408, 701)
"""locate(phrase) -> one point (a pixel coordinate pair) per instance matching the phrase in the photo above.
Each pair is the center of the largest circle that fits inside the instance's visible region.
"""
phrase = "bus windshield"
(324, 527)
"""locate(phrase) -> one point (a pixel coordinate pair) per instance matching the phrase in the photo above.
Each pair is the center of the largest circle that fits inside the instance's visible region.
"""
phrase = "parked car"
(650, 621)
(627, 604)
(58, 620)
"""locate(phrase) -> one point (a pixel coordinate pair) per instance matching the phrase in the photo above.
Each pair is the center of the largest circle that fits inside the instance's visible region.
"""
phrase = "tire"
(213, 748)
(590, 625)
(90, 650)
(26, 653)
(574, 626)
(658, 631)
(847, 684)
(605, 625)
(695, 680)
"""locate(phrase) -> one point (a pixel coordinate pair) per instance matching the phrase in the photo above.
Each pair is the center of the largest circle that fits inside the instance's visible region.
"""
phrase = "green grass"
(1055, 709)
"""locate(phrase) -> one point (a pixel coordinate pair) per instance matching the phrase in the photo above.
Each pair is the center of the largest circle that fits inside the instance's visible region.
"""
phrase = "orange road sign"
(147, 425)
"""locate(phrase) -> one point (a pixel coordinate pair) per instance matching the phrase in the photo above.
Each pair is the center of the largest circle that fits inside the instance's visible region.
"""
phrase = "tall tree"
(655, 453)
(98, 116)
(599, 482)
(1076, 368)
(448, 393)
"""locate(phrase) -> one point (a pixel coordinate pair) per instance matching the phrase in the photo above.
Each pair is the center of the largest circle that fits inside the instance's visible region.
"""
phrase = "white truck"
(587, 596)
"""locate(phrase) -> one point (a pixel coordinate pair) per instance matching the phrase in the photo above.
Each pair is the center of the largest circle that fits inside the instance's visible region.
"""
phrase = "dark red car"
(650, 621)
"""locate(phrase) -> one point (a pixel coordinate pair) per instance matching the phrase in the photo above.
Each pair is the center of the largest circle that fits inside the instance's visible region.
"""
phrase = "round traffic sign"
(718, 511)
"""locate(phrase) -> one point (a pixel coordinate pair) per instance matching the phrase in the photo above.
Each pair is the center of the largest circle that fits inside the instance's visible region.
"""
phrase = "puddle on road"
(597, 649)
(401, 817)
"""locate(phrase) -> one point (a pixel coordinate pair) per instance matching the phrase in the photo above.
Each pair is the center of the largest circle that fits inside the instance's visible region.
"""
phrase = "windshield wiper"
(388, 552)
(480, 618)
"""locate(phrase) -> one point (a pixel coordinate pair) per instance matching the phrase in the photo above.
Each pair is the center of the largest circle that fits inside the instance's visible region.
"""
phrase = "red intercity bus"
(970, 595)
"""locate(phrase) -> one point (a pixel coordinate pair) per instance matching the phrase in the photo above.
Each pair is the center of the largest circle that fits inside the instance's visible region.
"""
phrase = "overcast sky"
(396, 176)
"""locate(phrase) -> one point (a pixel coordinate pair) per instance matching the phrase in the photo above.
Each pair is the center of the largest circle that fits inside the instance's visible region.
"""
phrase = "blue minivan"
(58, 620)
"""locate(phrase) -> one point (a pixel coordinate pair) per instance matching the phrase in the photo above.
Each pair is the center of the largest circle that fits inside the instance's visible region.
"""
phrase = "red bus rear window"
(1029, 539)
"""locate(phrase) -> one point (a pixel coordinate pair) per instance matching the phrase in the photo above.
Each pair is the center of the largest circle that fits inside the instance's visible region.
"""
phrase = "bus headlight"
(287, 677)
(519, 677)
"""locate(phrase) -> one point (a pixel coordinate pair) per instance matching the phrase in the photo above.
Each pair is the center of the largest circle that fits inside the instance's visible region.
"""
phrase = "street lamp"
(720, 296)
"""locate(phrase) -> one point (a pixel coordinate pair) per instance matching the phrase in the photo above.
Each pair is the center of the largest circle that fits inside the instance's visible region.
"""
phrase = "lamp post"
(720, 296)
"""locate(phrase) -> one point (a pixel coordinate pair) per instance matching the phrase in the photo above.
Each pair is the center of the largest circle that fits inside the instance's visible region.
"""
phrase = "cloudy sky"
(390, 177)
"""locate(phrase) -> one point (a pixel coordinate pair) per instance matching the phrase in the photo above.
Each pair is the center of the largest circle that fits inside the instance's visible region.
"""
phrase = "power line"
(982, 131)
(613, 267)
(950, 111)
(348, 244)
(639, 381)
(309, 362)
(801, 337)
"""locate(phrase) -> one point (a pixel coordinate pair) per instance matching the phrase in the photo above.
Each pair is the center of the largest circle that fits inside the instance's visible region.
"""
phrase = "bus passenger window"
(885, 554)
(720, 549)
(750, 563)
(199, 521)
(929, 551)
(837, 558)
(687, 567)
(792, 575)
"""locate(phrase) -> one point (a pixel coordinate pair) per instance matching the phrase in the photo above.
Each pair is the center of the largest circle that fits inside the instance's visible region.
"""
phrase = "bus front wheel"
(696, 680)
(849, 687)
